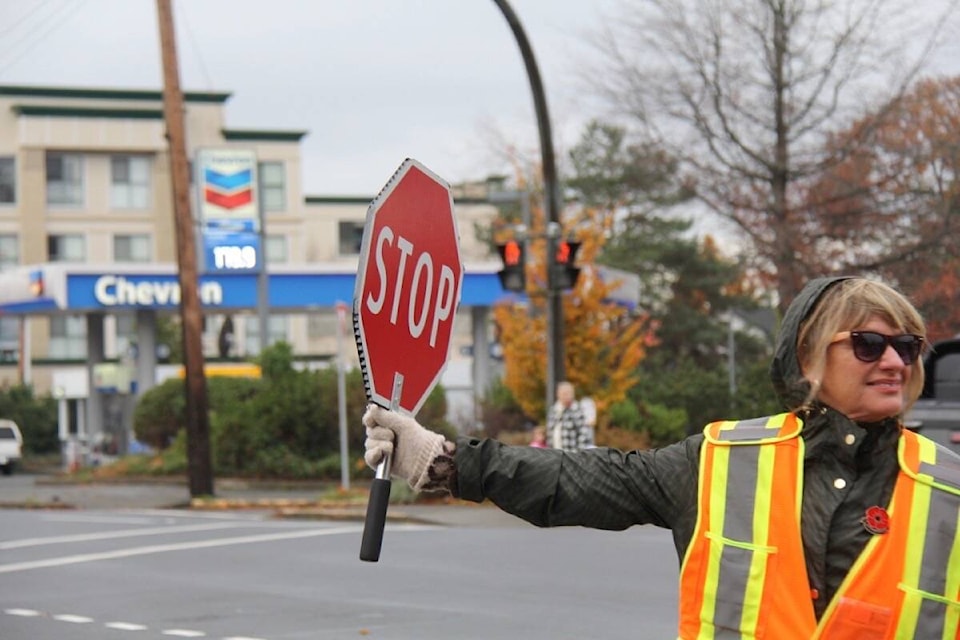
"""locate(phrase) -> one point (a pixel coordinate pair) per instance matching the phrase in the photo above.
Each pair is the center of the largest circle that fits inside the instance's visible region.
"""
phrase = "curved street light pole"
(555, 360)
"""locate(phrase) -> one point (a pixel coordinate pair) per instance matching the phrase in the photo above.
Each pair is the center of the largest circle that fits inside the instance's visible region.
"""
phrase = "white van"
(11, 443)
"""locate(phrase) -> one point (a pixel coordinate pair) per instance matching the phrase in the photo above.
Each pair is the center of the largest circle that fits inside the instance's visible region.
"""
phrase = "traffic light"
(565, 274)
(512, 276)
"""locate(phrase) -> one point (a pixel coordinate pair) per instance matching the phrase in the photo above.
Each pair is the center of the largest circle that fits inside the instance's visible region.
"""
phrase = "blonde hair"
(845, 306)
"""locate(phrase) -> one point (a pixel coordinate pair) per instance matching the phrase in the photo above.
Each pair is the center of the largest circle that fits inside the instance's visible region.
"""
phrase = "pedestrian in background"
(830, 520)
(589, 408)
(566, 422)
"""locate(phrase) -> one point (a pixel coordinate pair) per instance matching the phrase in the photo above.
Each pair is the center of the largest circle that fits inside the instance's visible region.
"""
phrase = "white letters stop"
(422, 286)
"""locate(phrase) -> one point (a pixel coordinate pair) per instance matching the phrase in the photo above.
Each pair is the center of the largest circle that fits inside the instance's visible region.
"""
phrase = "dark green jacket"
(608, 489)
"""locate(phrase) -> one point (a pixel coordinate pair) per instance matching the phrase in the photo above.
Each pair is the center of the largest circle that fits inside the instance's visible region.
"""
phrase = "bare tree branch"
(746, 94)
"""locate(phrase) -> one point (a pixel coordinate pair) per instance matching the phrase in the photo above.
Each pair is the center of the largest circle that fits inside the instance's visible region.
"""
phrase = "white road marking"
(185, 546)
(64, 517)
(120, 626)
(125, 626)
(69, 617)
(106, 535)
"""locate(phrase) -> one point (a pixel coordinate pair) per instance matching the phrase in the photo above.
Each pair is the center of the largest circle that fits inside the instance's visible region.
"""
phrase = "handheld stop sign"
(407, 292)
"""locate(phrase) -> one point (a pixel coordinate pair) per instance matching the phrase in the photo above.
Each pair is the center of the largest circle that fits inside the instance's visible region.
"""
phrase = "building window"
(9, 327)
(129, 182)
(9, 250)
(66, 248)
(8, 180)
(68, 338)
(126, 334)
(273, 186)
(276, 325)
(132, 248)
(322, 324)
(275, 250)
(64, 179)
(9, 339)
(351, 235)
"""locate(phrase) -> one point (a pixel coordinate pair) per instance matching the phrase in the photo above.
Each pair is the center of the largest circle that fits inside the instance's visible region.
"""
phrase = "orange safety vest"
(744, 574)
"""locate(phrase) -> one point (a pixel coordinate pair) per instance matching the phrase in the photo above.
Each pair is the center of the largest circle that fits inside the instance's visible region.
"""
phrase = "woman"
(567, 422)
(827, 521)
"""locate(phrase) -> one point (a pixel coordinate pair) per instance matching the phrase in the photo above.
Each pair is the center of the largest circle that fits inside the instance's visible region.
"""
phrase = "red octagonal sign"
(408, 288)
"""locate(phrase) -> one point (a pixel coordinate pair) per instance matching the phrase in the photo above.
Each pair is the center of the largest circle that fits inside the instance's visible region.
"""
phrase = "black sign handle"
(379, 494)
(376, 513)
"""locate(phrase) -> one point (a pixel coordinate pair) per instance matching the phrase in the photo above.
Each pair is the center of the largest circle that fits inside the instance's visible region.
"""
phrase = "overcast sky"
(372, 81)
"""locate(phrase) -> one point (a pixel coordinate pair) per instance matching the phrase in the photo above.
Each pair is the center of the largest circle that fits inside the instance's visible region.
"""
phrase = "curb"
(304, 509)
(285, 509)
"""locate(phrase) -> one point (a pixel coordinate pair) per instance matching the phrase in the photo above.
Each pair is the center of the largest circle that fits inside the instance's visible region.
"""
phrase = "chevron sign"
(226, 180)
(228, 190)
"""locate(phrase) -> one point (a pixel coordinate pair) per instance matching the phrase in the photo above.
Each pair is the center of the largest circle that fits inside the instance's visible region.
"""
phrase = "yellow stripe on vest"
(919, 514)
(745, 532)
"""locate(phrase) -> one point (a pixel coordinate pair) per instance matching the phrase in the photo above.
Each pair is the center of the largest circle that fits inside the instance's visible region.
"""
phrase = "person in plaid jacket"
(567, 423)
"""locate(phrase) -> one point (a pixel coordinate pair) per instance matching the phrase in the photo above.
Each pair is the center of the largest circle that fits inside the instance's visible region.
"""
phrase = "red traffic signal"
(565, 274)
(512, 254)
(512, 276)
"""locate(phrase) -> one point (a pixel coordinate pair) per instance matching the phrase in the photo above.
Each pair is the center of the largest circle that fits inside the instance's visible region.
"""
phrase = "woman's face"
(865, 391)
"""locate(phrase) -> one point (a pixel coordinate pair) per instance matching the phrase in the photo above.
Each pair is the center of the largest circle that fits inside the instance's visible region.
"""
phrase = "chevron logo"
(228, 190)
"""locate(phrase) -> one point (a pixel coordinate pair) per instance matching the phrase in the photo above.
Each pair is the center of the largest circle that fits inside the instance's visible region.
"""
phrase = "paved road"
(151, 573)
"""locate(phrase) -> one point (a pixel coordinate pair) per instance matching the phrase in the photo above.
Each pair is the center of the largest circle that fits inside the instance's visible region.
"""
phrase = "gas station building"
(88, 253)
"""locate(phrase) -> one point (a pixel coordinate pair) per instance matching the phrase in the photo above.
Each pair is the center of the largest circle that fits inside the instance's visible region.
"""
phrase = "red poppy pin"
(876, 520)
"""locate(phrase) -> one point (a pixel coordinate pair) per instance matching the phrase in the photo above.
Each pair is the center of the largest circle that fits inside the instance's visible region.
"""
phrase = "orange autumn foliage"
(603, 341)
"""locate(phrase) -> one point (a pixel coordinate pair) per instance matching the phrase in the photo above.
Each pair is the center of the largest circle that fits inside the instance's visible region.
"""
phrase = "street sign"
(406, 297)
(226, 182)
(408, 288)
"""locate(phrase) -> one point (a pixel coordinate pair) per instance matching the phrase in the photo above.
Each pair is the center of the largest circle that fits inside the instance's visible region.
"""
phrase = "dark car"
(937, 413)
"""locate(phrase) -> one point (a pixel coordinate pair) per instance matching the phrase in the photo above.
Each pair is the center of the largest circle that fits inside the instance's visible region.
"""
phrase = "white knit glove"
(412, 448)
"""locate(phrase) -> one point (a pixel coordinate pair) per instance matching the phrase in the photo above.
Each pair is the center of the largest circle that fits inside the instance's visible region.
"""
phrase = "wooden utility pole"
(199, 466)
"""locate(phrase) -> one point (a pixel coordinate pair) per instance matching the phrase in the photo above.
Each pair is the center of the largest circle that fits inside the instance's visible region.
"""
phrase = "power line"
(195, 48)
(24, 18)
(52, 25)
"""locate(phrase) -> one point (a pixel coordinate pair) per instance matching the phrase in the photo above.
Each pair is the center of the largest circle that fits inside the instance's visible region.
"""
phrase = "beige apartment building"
(85, 186)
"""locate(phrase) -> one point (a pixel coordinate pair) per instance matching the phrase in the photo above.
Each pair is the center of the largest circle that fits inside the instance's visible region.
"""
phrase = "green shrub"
(286, 424)
(174, 458)
(625, 415)
(663, 424)
(36, 417)
(159, 414)
(500, 411)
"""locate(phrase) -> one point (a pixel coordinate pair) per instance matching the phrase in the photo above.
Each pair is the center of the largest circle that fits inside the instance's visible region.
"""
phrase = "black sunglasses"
(869, 346)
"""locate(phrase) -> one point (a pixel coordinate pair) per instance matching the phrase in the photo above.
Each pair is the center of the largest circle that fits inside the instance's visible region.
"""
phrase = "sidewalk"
(283, 500)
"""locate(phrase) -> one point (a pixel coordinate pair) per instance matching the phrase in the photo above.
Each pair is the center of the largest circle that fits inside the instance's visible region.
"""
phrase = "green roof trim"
(262, 135)
(457, 200)
(338, 199)
(108, 94)
(369, 199)
(82, 112)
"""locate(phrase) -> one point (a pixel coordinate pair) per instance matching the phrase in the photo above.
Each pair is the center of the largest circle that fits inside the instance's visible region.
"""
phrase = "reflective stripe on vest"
(906, 583)
(743, 574)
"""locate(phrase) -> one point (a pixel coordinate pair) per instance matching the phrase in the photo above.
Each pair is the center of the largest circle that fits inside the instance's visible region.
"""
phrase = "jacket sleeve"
(600, 488)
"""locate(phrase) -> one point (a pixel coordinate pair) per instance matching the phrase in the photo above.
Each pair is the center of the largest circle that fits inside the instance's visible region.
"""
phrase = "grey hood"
(785, 371)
